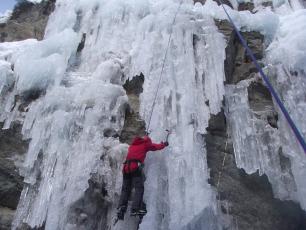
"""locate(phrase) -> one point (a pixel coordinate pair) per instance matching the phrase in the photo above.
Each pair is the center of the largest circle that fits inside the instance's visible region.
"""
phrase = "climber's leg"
(125, 193)
(138, 185)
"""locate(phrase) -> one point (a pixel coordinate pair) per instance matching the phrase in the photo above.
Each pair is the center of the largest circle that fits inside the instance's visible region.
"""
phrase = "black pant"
(132, 180)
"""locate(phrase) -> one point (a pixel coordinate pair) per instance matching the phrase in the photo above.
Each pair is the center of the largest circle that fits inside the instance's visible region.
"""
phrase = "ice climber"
(133, 176)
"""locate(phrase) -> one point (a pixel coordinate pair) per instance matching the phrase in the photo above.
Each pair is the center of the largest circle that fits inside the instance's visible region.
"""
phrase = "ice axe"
(168, 134)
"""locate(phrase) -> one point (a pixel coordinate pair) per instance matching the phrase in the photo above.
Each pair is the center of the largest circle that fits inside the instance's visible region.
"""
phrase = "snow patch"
(264, 21)
(44, 63)
(4, 17)
(289, 46)
(35, 1)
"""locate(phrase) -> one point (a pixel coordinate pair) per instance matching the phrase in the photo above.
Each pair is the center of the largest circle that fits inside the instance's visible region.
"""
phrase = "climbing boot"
(143, 209)
(142, 212)
(120, 212)
(134, 212)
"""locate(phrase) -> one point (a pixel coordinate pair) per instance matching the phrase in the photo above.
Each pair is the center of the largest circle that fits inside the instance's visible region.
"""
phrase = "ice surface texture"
(81, 96)
(289, 46)
(258, 146)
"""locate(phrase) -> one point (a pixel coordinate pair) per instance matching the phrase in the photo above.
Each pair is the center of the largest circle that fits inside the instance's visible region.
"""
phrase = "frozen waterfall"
(70, 98)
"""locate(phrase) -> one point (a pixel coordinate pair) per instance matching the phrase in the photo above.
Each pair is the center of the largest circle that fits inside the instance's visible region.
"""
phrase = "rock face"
(133, 124)
(226, 2)
(28, 20)
(92, 210)
(248, 199)
(12, 149)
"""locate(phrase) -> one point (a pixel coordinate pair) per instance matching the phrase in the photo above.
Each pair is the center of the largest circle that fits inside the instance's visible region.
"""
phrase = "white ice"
(289, 46)
(81, 96)
(256, 143)
(5, 16)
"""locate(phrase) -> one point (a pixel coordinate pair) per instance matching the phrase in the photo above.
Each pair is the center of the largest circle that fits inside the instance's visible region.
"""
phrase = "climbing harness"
(163, 66)
(128, 164)
(294, 128)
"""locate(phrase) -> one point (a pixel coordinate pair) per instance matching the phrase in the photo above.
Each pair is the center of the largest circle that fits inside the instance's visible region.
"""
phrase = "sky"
(6, 4)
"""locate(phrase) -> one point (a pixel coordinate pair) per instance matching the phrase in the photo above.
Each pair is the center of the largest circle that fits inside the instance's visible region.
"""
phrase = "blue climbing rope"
(268, 83)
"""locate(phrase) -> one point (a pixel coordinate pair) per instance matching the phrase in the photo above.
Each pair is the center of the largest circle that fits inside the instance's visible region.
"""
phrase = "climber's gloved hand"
(166, 143)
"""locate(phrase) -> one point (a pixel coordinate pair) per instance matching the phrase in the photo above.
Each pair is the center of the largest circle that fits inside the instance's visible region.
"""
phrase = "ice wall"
(80, 95)
(258, 146)
(286, 58)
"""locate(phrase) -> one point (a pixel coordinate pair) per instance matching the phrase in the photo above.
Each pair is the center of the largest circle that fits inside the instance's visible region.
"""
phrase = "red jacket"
(138, 151)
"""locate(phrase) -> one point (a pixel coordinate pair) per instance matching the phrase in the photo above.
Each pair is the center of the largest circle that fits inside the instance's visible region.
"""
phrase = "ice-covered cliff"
(68, 91)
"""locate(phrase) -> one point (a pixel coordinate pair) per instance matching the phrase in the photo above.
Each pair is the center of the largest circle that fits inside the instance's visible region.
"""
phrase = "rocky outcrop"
(6, 217)
(92, 211)
(238, 66)
(231, 49)
(226, 2)
(246, 6)
(133, 125)
(28, 20)
(248, 199)
(12, 150)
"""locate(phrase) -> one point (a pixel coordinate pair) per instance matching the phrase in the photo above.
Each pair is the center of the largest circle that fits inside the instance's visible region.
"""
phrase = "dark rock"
(247, 198)
(246, 6)
(200, 1)
(90, 212)
(285, 162)
(231, 49)
(272, 119)
(259, 97)
(255, 42)
(261, 103)
(6, 218)
(135, 85)
(226, 2)
(243, 72)
(217, 125)
(27, 227)
(21, 7)
(237, 65)
(27, 21)
(11, 184)
(133, 124)
(82, 43)
(267, 4)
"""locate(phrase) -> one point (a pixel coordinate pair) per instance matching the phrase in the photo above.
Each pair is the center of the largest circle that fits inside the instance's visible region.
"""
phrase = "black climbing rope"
(163, 66)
